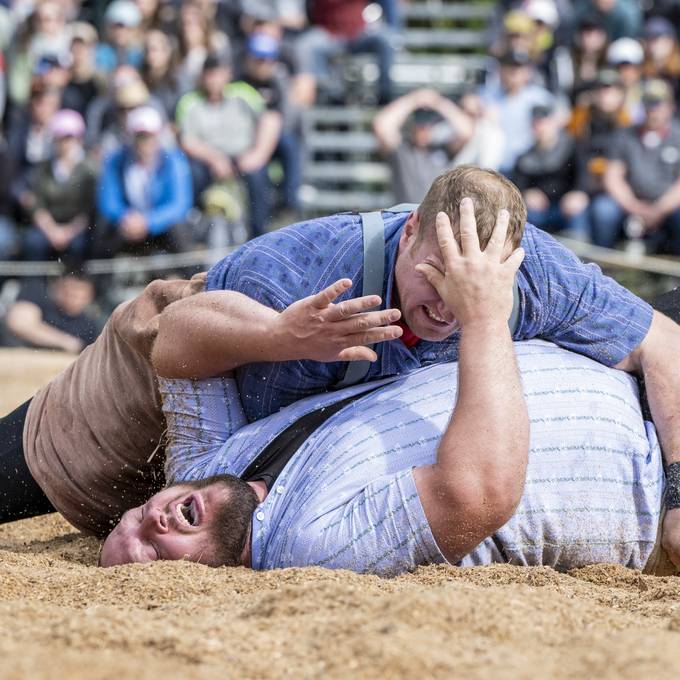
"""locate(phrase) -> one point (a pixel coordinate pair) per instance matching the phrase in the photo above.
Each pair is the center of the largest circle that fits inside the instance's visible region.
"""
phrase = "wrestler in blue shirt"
(561, 300)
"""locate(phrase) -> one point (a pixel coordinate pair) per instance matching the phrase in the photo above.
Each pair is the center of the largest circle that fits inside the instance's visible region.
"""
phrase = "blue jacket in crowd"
(171, 190)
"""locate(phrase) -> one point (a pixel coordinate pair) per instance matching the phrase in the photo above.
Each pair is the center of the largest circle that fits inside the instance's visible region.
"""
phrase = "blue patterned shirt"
(561, 300)
(347, 498)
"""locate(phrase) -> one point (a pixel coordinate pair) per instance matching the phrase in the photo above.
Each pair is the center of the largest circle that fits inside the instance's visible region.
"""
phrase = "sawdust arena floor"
(62, 617)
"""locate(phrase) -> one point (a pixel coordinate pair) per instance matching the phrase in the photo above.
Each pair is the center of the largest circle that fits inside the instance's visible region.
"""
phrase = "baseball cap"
(263, 46)
(542, 110)
(625, 51)
(81, 30)
(657, 27)
(543, 11)
(67, 123)
(144, 120)
(215, 61)
(656, 91)
(131, 94)
(517, 22)
(423, 117)
(515, 57)
(47, 62)
(123, 12)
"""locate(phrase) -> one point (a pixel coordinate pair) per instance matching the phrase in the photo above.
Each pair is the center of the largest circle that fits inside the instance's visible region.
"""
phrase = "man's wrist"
(672, 496)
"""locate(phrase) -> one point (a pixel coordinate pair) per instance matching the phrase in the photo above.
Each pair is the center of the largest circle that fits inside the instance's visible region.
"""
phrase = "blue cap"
(263, 46)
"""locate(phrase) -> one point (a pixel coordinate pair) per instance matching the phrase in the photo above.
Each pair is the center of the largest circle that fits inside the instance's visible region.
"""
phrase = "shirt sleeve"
(382, 530)
(200, 415)
(575, 305)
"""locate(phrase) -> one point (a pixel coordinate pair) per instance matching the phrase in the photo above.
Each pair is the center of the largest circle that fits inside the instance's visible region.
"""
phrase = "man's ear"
(411, 229)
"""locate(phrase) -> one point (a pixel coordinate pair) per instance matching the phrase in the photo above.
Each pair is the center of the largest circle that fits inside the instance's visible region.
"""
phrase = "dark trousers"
(20, 495)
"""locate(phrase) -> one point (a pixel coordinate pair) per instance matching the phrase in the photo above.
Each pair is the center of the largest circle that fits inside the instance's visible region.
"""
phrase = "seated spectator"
(29, 139)
(626, 56)
(283, 21)
(54, 315)
(122, 42)
(620, 18)
(580, 64)
(198, 38)
(144, 191)
(227, 133)
(51, 72)
(643, 178)
(60, 195)
(595, 124)
(159, 70)
(263, 72)
(107, 114)
(514, 97)
(337, 27)
(662, 52)
(485, 147)
(545, 173)
(42, 33)
(420, 134)
(82, 86)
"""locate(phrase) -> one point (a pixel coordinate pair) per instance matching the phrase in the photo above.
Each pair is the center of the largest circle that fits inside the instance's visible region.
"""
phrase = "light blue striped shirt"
(347, 498)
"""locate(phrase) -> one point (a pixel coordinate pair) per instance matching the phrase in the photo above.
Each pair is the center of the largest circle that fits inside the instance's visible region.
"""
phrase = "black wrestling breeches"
(20, 495)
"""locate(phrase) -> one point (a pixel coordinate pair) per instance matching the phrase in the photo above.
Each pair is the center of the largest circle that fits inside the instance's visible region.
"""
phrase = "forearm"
(198, 150)
(457, 119)
(621, 192)
(25, 321)
(670, 200)
(660, 364)
(211, 333)
(268, 133)
(487, 438)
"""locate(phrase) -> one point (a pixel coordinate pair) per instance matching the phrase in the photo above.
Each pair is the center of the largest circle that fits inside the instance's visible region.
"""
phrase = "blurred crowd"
(578, 108)
(139, 126)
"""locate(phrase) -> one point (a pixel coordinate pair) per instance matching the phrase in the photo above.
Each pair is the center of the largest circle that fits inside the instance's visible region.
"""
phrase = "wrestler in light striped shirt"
(347, 498)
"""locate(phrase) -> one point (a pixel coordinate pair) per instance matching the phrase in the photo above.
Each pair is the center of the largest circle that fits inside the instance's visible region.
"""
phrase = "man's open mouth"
(434, 317)
(189, 512)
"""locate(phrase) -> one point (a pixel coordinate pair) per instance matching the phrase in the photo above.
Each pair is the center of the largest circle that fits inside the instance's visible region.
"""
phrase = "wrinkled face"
(174, 524)
(423, 311)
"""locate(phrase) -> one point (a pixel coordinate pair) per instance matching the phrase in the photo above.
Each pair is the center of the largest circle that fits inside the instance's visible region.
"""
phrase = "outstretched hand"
(476, 284)
(316, 328)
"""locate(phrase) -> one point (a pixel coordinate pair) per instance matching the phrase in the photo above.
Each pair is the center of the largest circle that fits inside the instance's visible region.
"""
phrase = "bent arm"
(211, 333)
(478, 478)
(618, 188)
(657, 359)
(25, 320)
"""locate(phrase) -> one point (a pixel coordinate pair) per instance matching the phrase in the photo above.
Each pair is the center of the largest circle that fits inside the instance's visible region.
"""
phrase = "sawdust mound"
(61, 616)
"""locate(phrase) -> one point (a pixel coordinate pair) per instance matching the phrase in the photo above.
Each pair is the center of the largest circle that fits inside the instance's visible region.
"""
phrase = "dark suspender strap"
(513, 321)
(374, 276)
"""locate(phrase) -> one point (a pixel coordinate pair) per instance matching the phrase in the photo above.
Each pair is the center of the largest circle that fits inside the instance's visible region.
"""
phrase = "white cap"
(543, 11)
(144, 119)
(625, 51)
